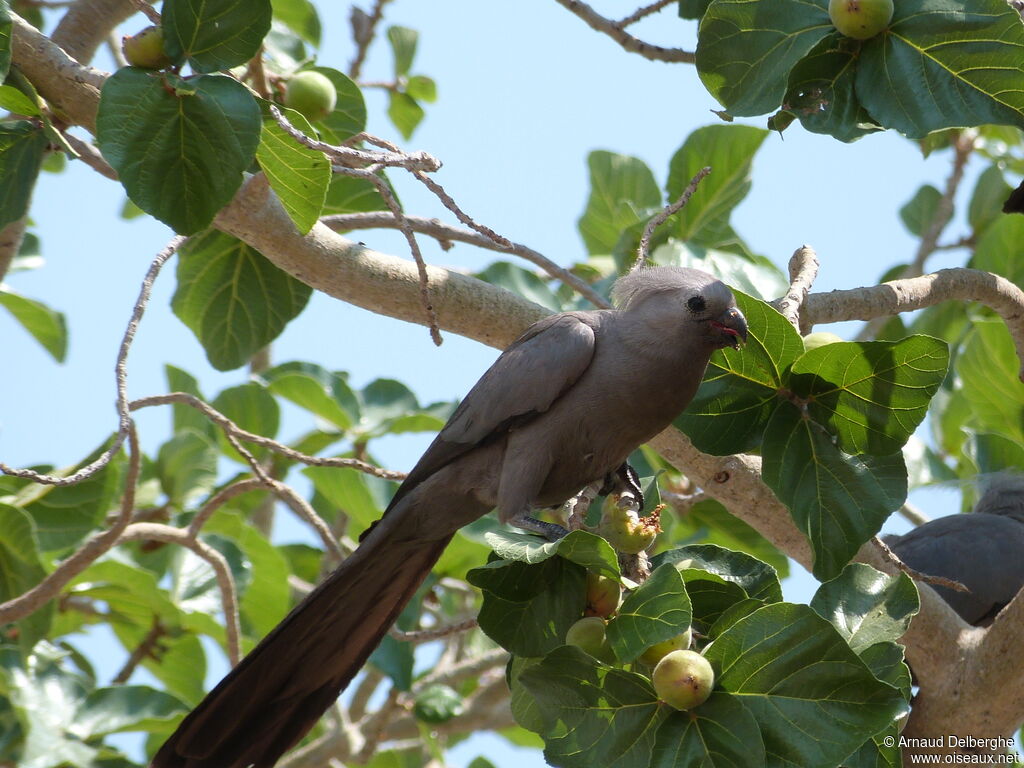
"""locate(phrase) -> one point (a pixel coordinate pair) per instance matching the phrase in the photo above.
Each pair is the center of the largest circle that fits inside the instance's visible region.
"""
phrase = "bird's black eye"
(696, 304)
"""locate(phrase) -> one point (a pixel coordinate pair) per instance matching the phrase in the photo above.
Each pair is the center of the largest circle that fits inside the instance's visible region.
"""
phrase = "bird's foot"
(550, 531)
(624, 484)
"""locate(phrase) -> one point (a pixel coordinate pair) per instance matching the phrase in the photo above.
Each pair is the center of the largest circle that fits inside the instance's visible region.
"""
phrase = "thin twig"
(435, 633)
(373, 726)
(615, 31)
(446, 233)
(640, 13)
(147, 10)
(90, 155)
(121, 377)
(912, 514)
(364, 27)
(142, 651)
(893, 558)
(658, 219)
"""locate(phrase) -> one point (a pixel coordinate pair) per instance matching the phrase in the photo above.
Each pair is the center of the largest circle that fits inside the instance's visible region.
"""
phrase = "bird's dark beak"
(733, 325)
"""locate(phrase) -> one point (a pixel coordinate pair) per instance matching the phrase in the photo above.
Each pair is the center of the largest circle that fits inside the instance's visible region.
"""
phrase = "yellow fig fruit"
(626, 531)
(658, 651)
(603, 594)
(819, 339)
(860, 19)
(683, 679)
(590, 636)
(145, 49)
(312, 94)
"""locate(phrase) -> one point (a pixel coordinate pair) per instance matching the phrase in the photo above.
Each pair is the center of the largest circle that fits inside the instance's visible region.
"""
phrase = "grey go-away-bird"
(983, 550)
(560, 409)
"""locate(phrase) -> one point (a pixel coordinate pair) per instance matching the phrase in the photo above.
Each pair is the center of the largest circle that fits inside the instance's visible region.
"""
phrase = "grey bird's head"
(690, 294)
(1003, 495)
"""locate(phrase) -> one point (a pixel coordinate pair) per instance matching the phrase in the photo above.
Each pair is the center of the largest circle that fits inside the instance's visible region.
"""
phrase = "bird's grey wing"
(537, 369)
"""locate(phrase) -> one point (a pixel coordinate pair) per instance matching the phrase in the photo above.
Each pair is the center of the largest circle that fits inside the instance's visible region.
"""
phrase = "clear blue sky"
(526, 91)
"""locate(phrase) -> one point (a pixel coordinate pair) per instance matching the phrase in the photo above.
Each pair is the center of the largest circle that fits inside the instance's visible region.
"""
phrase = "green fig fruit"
(819, 339)
(603, 594)
(683, 679)
(312, 94)
(145, 49)
(625, 530)
(658, 651)
(860, 19)
(589, 634)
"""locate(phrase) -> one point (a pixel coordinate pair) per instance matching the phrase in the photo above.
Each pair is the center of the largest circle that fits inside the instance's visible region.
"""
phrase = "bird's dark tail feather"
(277, 693)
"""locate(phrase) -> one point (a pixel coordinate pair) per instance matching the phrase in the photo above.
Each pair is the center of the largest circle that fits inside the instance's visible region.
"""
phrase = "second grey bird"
(561, 408)
(983, 550)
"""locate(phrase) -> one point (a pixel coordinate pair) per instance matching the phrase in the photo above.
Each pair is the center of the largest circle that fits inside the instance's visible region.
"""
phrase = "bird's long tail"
(278, 692)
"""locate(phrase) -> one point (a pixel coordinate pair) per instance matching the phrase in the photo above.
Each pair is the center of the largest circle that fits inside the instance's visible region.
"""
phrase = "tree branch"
(615, 31)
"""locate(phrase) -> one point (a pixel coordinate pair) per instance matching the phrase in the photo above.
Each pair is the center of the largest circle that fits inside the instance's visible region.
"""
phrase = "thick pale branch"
(803, 268)
(906, 295)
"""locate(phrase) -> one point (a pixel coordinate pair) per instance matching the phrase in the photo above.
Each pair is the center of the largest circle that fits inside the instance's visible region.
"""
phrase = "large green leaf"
(22, 148)
(233, 299)
(126, 708)
(988, 367)
(591, 714)
(720, 733)
(998, 249)
(252, 408)
(349, 115)
(187, 466)
(5, 40)
(746, 49)
(757, 579)
(755, 276)
(47, 326)
(300, 17)
(871, 395)
(740, 390)
(312, 387)
(527, 609)
(353, 493)
(657, 610)
(21, 569)
(990, 191)
(214, 34)
(867, 606)
(917, 214)
(943, 64)
(729, 150)
(838, 500)
(299, 175)
(814, 700)
(184, 416)
(580, 547)
(622, 189)
(180, 146)
(525, 282)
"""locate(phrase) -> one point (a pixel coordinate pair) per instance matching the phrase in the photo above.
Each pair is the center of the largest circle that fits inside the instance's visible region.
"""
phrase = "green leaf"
(523, 282)
(405, 113)
(299, 175)
(6, 25)
(347, 194)
(184, 416)
(22, 149)
(187, 466)
(312, 387)
(592, 714)
(740, 389)
(821, 91)
(351, 492)
(527, 609)
(918, 213)
(794, 672)
(66, 514)
(693, 9)
(729, 150)
(300, 17)
(995, 453)
(997, 249)
(944, 64)
(720, 732)
(21, 569)
(746, 49)
(657, 610)
(581, 547)
(422, 88)
(871, 395)
(757, 277)
(757, 579)
(252, 408)
(622, 189)
(990, 191)
(839, 501)
(403, 45)
(885, 660)
(867, 606)
(988, 367)
(214, 34)
(46, 326)
(349, 115)
(179, 145)
(126, 708)
(17, 102)
(437, 704)
(233, 299)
